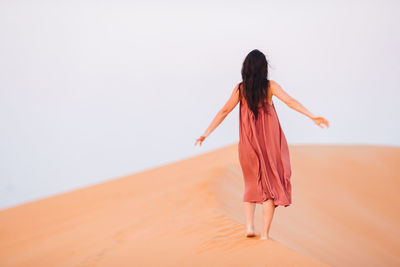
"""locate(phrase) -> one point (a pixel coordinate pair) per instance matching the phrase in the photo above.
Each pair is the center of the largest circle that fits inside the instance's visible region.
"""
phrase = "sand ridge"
(189, 213)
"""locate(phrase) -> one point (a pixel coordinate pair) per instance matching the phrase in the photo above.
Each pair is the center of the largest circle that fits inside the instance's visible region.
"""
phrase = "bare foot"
(263, 237)
(250, 234)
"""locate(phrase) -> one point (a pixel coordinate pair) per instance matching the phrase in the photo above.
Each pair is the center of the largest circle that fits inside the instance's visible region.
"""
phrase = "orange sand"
(345, 212)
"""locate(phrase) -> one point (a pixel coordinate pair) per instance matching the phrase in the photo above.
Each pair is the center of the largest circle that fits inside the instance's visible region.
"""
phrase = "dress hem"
(262, 201)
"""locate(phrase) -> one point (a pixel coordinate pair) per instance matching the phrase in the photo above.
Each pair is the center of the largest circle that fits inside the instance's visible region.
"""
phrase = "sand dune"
(189, 213)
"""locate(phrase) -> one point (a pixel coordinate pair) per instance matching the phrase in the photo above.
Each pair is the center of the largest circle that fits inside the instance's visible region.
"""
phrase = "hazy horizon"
(91, 91)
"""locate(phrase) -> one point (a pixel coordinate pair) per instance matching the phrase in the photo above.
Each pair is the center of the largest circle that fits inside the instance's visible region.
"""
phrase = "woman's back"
(268, 100)
(263, 154)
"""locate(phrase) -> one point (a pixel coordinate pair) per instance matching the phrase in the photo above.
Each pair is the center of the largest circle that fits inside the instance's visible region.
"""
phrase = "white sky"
(94, 90)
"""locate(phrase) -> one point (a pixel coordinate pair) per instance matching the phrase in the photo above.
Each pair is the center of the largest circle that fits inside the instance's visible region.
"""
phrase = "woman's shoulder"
(273, 84)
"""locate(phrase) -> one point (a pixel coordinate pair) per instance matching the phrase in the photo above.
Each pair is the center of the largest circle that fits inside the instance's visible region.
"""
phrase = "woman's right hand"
(320, 120)
(200, 140)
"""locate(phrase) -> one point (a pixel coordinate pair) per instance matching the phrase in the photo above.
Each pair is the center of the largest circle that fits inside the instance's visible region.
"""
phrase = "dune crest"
(189, 213)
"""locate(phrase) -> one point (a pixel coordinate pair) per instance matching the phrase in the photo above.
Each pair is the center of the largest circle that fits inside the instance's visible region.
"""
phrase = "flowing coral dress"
(264, 156)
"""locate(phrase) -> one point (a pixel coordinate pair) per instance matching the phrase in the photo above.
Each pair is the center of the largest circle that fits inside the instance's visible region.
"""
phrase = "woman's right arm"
(277, 90)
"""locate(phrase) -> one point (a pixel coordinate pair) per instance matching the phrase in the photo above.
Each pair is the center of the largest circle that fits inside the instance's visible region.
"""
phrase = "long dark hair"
(255, 80)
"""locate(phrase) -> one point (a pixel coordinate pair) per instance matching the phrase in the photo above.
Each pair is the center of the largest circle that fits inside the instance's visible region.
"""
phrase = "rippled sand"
(189, 213)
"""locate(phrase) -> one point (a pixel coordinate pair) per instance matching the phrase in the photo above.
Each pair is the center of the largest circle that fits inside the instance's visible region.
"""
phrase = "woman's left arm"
(221, 115)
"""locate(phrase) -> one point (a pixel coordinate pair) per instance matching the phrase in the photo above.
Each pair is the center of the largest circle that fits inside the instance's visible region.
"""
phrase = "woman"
(263, 150)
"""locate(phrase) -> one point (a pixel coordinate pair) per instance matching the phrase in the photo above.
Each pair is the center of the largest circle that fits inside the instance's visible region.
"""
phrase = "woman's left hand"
(320, 120)
(200, 140)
